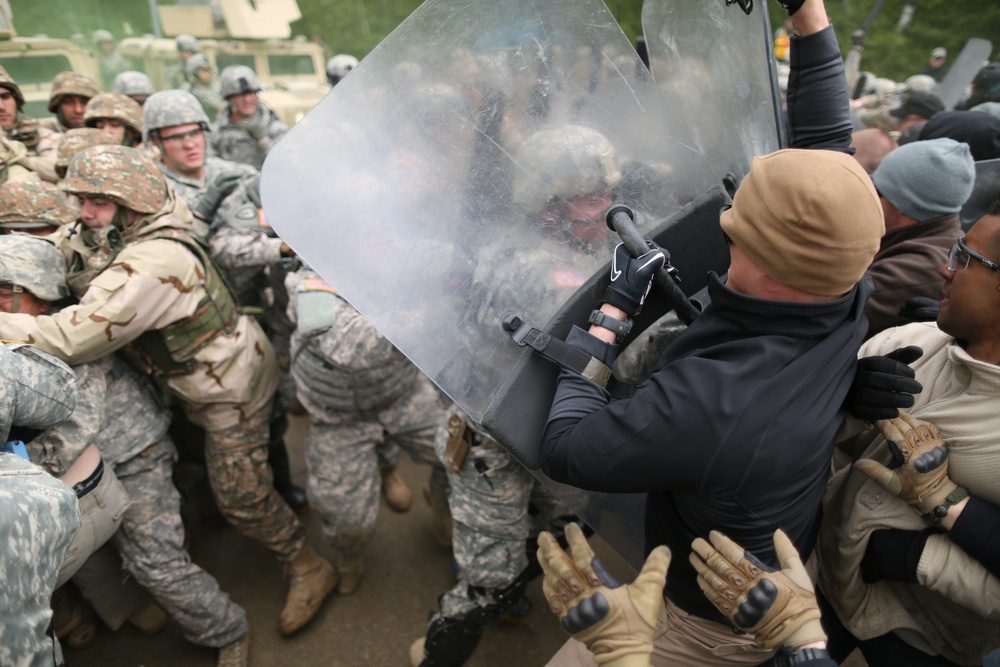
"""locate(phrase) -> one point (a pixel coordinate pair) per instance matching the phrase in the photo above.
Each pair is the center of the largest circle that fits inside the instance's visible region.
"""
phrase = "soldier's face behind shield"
(580, 218)
(183, 147)
(8, 109)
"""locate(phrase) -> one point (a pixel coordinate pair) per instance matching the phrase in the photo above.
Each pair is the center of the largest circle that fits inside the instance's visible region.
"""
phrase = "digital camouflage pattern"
(238, 79)
(38, 517)
(169, 108)
(7, 81)
(114, 105)
(41, 142)
(133, 83)
(76, 140)
(33, 205)
(36, 389)
(71, 83)
(248, 141)
(361, 394)
(208, 95)
(33, 263)
(118, 173)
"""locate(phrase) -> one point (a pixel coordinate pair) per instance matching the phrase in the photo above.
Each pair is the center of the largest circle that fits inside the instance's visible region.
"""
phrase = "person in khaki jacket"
(146, 287)
(39, 141)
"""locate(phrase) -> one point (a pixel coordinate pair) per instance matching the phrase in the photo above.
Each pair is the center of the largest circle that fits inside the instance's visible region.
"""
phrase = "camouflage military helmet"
(118, 173)
(187, 42)
(236, 80)
(133, 83)
(6, 81)
(114, 105)
(71, 83)
(338, 67)
(919, 83)
(33, 205)
(34, 264)
(196, 62)
(565, 161)
(102, 36)
(169, 108)
(76, 140)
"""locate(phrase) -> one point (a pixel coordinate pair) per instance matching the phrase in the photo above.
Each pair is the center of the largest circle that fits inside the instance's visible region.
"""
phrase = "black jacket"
(734, 431)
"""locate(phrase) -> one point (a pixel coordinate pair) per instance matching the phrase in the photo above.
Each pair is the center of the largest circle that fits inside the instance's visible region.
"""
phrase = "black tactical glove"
(884, 384)
(893, 555)
(791, 6)
(632, 278)
(219, 189)
(253, 190)
(920, 309)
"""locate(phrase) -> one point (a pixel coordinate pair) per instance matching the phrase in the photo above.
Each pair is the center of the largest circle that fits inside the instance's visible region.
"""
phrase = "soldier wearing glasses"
(912, 581)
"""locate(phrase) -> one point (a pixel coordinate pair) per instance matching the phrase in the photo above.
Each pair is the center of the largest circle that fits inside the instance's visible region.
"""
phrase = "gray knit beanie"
(927, 180)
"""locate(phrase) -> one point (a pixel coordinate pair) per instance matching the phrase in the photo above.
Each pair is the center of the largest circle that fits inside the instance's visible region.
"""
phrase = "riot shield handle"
(621, 219)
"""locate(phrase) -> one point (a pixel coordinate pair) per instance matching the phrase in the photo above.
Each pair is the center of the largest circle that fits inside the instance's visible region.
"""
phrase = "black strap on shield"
(557, 351)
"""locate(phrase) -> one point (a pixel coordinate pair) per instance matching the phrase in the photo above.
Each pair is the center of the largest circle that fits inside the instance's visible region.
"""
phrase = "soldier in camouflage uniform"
(68, 100)
(33, 207)
(39, 141)
(119, 413)
(147, 287)
(490, 491)
(360, 392)
(187, 46)
(118, 115)
(135, 84)
(203, 84)
(38, 514)
(75, 141)
(112, 63)
(245, 129)
(13, 157)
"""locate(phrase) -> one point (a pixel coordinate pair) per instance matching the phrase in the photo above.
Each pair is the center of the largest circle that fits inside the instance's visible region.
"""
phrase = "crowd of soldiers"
(138, 265)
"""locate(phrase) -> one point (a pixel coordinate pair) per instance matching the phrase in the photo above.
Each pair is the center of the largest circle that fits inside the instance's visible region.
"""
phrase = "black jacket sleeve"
(977, 532)
(819, 112)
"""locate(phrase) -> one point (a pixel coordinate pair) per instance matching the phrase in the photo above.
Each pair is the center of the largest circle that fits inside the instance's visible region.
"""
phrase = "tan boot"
(417, 652)
(236, 654)
(151, 619)
(396, 491)
(73, 620)
(311, 579)
(350, 576)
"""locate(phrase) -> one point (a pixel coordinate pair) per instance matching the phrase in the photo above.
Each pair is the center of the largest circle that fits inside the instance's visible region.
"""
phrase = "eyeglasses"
(958, 258)
(182, 137)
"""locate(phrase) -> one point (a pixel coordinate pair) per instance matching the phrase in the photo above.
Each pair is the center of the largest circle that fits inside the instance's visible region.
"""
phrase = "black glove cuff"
(893, 555)
(789, 655)
(791, 6)
(619, 300)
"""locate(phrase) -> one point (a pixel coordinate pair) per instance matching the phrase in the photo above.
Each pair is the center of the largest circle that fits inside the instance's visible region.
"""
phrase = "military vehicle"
(292, 73)
(34, 61)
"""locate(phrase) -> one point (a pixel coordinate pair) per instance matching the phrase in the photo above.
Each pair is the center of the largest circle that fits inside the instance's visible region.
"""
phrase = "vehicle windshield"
(35, 70)
(291, 65)
(224, 60)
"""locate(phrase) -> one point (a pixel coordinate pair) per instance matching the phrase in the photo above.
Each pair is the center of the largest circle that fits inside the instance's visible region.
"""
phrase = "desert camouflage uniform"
(13, 157)
(119, 107)
(146, 278)
(39, 141)
(361, 394)
(38, 514)
(231, 141)
(76, 140)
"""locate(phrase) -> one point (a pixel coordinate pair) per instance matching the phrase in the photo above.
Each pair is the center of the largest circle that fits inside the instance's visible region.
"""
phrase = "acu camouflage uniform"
(361, 394)
(39, 141)
(209, 96)
(151, 290)
(38, 514)
(232, 140)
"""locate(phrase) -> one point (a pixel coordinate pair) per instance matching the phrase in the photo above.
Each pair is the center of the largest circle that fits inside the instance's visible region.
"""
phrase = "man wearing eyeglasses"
(923, 587)
(922, 187)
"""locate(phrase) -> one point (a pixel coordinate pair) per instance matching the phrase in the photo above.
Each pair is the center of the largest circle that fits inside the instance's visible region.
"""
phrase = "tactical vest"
(170, 351)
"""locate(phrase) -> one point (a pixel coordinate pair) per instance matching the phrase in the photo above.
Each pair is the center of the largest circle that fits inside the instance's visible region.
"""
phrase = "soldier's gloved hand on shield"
(632, 278)
(615, 622)
(919, 471)
(883, 384)
(217, 190)
(254, 127)
(777, 607)
(791, 6)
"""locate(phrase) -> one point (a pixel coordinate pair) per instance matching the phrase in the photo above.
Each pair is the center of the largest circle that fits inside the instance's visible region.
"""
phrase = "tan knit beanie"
(810, 219)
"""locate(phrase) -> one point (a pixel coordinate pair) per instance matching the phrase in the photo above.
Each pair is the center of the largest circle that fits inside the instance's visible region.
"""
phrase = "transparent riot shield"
(985, 192)
(462, 173)
(715, 64)
(952, 88)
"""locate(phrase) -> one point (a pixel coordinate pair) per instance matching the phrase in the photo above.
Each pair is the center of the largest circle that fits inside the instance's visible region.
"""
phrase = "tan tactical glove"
(919, 474)
(777, 607)
(615, 622)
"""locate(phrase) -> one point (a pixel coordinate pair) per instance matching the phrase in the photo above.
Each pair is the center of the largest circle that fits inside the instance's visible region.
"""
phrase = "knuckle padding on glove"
(586, 613)
(931, 460)
(759, 601)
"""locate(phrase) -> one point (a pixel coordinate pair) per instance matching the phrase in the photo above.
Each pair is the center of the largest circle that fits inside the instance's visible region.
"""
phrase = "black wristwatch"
(619, 328)
(789, 655)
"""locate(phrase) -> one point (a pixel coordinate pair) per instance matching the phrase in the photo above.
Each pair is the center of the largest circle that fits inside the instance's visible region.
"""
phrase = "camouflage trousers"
(489, 498)
(243, 485)
(344, 461)
(151, 544)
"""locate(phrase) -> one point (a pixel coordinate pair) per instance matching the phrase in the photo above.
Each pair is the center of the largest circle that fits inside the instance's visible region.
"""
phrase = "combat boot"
(350, 575)
(311, 579)
(236, 654)
(396, 491)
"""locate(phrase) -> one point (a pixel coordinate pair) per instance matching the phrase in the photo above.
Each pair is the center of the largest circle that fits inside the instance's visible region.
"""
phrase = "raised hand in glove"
(883, 384)
(217, 190)
(778, 607)
(632, 278)
(919, 471)
(254, 127)
(615, 622)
